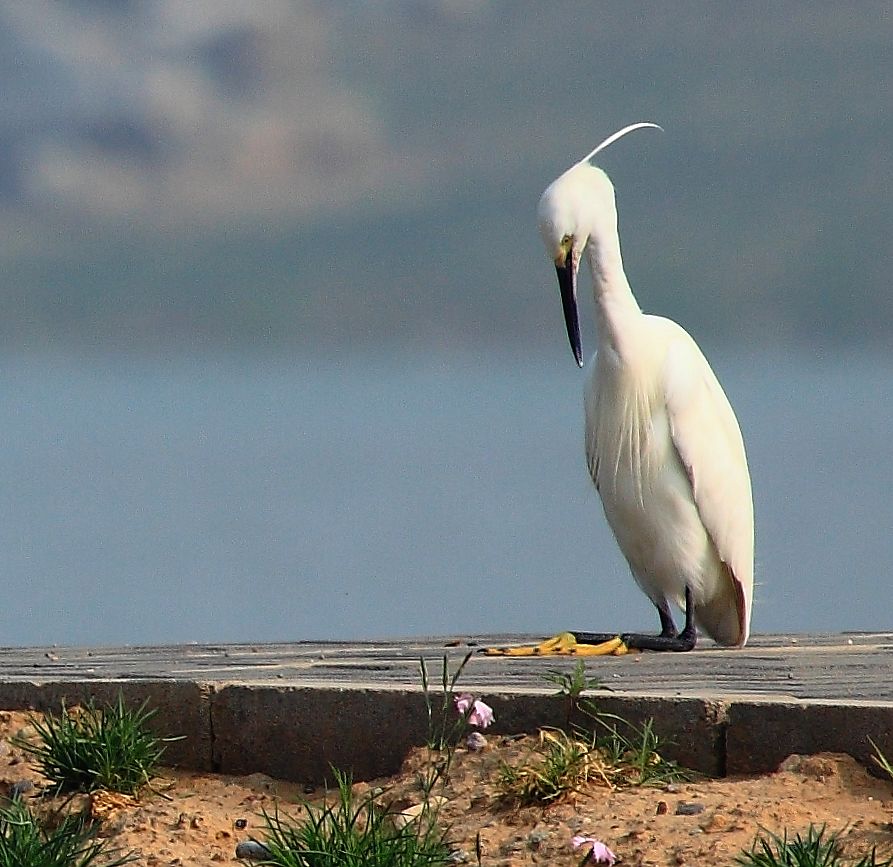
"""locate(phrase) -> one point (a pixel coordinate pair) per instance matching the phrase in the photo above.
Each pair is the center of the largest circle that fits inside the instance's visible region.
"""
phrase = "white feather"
(663, 445)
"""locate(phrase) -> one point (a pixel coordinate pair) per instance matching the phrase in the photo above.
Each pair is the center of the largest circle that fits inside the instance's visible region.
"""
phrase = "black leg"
(667, 626)
(668, 639)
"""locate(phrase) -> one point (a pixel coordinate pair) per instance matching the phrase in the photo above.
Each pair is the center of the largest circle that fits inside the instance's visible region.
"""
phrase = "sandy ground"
(200, 818)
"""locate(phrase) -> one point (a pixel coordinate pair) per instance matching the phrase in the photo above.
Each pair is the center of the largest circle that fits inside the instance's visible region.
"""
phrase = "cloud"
(199, 113)
(427, 129)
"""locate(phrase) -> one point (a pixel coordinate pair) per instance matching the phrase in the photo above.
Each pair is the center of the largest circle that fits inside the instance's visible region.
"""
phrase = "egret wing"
(708, 441)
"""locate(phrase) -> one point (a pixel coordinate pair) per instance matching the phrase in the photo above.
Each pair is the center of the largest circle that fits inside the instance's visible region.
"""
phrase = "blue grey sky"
(229, 174)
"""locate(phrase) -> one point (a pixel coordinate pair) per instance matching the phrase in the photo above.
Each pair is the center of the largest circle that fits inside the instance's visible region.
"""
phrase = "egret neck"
(617, 314)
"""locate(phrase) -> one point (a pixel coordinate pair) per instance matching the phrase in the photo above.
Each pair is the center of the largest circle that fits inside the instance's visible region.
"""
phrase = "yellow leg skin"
(563, 644)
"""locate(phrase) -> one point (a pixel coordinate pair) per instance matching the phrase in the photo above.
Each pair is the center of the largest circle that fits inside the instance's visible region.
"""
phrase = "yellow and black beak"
(567, 282)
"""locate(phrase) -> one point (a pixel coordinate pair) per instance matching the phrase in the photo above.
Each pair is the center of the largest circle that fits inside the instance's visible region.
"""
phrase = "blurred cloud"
(345, 172)
(201, 112)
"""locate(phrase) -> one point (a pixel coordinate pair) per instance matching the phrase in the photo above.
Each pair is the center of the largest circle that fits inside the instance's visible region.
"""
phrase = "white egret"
(662, 442)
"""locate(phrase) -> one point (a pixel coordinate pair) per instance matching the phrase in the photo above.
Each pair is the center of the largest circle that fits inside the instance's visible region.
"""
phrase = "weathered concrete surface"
(300, 733)
(761, 734)
(845, 667)
(292, 710)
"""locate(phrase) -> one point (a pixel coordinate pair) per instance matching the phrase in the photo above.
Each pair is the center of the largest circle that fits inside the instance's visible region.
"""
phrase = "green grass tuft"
(571, 686)
(561, 764)
(815, 849)
(95, 748)
(635, 753)
(25, 843)
(352, 832)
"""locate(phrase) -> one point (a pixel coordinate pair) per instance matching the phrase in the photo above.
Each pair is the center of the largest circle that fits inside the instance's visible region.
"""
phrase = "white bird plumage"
(662, 442)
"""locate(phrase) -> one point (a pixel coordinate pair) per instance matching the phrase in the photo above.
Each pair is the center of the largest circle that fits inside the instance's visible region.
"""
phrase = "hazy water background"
(281, 355)
(224, 498)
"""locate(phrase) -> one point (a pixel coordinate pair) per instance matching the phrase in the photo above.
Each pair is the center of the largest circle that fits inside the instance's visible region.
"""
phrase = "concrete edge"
(299, 733)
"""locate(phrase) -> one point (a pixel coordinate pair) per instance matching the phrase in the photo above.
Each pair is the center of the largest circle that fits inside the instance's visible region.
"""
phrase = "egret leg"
(667, 626)
(608, 644)
(668, 639)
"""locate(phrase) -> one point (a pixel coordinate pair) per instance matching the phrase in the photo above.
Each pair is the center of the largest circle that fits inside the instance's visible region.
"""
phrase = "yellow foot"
(563, 644)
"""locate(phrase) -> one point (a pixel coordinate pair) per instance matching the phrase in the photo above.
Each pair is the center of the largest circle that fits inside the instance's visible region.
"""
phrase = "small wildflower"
(598, 854)
(481, 715)
(463, 702)
(477, 713)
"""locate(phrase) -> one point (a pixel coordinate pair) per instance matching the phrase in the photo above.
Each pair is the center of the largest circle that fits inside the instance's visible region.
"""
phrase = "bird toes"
(563, 644)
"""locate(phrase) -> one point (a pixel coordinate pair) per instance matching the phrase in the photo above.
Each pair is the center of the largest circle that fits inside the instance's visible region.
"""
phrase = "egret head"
(574, 208)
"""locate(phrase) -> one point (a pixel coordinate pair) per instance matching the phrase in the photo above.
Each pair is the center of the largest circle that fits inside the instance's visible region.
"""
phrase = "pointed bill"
(567, 283)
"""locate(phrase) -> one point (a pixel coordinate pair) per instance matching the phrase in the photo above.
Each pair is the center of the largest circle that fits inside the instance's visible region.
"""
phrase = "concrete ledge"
(761, 734)
(299, 734)
(292, 711)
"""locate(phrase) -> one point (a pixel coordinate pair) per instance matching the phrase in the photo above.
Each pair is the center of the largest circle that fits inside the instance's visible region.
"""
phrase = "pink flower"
(474, 710)
(481, 715)
(463, 702)
(598, 854)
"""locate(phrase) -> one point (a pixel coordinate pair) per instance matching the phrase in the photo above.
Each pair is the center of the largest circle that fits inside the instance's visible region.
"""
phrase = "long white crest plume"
(619, 134)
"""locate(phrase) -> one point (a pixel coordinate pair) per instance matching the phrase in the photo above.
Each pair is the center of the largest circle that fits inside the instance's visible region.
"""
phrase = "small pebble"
(476, 742)
(241, 824)
(715, 822)
(662, 808)
(252, 850)
(672, 788)
(537, 836)
(685, 808)
(19, 788)
(261, 781)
